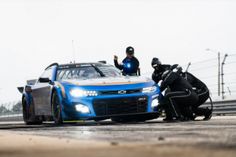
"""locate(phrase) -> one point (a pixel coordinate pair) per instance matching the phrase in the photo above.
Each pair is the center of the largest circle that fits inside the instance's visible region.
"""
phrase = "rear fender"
(29, 99)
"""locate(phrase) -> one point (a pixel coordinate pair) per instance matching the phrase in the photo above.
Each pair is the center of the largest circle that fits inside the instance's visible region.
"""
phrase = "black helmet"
(155, 62)
(130, 50)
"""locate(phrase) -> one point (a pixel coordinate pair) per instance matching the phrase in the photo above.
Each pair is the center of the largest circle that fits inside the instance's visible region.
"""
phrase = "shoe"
(208, 116)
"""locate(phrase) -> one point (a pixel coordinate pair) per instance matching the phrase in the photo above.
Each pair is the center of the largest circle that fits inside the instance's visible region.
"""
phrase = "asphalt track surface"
(214, 138)
(218, 132)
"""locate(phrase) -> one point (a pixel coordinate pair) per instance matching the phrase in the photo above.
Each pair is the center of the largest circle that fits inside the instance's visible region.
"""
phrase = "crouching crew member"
(129, 65)
(179, 94)
(203, 94)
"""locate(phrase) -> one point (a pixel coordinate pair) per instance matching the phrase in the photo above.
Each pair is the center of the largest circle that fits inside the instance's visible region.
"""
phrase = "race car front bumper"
(107, 107)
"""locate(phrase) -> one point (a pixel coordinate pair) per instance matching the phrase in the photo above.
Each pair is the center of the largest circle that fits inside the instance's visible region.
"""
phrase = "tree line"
(9, 109)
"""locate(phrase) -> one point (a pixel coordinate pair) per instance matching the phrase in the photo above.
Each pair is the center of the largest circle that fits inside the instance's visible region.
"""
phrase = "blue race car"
(88, 91)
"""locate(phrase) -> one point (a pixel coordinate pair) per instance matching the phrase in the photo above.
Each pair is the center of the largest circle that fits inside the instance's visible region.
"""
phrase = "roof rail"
(53, 64)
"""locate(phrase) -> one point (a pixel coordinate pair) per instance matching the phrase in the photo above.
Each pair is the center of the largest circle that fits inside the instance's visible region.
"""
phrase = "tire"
(56, 109)
(29, 114)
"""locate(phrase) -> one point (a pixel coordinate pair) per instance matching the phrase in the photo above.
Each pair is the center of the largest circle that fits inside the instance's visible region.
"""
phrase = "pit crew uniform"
(129, 66)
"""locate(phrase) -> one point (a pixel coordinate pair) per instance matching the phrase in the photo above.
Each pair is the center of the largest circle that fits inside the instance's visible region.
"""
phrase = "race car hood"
(111, 83)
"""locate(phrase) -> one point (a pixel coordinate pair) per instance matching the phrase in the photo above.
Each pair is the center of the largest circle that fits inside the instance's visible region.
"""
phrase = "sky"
(36, 33)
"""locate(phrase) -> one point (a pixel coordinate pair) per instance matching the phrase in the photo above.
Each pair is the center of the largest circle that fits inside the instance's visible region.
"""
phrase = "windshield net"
(87, 72)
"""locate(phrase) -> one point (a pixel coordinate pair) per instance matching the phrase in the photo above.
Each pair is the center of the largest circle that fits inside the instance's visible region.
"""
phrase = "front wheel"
(56, 109)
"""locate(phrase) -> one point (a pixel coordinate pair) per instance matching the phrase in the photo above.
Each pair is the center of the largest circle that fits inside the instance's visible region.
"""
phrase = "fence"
(220, 78)
(227, 107)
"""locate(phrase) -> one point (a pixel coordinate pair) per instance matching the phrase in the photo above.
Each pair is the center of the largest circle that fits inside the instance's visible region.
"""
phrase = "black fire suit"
(129, 66)
(178, 100)
(202, 91)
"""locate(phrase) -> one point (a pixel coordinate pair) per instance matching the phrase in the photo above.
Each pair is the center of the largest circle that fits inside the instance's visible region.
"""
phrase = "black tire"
(24, 110)
(29, 114)
(56, 109)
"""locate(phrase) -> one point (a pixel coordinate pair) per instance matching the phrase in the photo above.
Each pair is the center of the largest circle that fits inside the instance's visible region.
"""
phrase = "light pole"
(229, 90)
(73, 47)
(222, 76)
(218, 73)
(188, 67)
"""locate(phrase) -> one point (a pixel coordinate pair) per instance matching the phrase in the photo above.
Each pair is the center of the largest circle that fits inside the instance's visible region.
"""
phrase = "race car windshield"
(87, 72)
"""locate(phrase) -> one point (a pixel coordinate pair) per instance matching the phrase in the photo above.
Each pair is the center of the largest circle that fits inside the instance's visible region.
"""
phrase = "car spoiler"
(20, 89)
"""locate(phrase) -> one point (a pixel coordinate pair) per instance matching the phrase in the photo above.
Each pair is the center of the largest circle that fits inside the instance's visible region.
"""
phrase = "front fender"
(160, 95)
(59, 90)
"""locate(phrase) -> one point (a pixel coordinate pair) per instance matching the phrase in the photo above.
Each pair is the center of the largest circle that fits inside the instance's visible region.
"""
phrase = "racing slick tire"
(56, 109)
(29, 114)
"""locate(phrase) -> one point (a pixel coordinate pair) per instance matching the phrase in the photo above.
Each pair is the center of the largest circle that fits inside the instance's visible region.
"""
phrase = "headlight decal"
(82, 93)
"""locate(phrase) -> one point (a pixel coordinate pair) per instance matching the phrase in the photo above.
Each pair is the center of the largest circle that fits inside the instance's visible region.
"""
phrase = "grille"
(120, 92)
(121, 106)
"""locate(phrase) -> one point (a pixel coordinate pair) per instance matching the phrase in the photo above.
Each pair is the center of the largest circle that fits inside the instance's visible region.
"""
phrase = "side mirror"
(44, 80)
(31, 82)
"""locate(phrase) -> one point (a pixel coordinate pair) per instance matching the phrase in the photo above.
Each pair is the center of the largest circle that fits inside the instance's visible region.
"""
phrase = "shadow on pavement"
(21, 125)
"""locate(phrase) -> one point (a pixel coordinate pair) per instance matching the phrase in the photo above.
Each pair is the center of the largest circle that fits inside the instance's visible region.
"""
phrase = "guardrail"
(14, 117)
(223, 107)
(11, 111)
